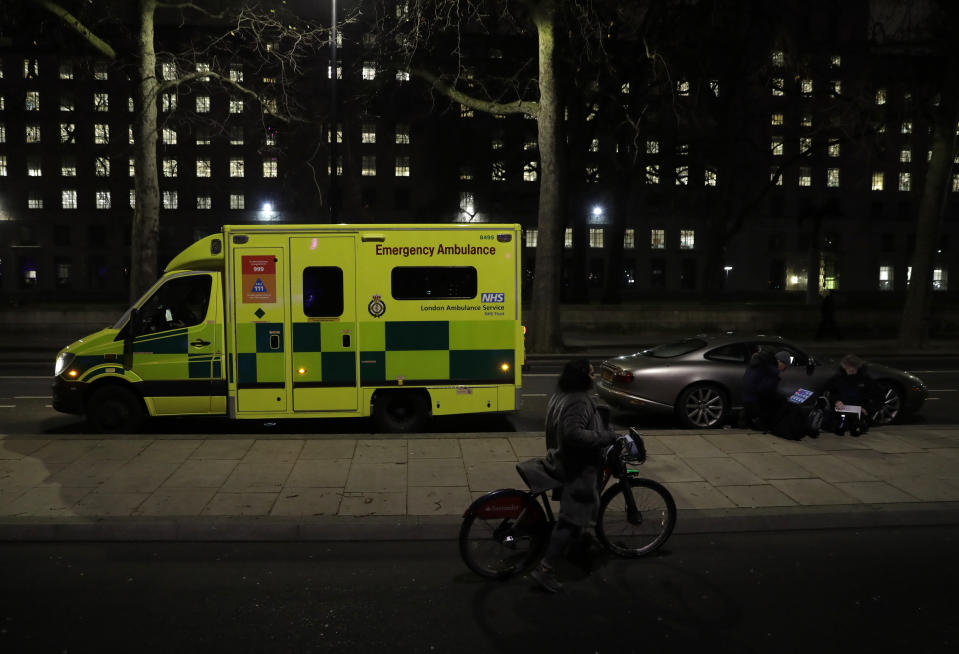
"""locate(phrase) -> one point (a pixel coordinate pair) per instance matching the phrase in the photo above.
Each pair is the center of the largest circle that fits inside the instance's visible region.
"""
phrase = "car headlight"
(63, 362)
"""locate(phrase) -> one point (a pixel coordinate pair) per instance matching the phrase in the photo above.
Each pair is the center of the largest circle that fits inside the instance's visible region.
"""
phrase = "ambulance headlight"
(63, 362)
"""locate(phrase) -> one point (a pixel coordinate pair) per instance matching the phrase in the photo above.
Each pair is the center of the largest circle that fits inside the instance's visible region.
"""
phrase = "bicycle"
(505, 531)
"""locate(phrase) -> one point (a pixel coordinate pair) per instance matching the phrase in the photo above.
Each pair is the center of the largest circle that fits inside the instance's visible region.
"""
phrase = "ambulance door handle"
(199, 343)
(274, 341)
(346, 340)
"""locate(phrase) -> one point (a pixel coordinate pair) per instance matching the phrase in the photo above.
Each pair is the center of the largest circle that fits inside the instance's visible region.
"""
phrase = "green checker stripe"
(482, 334)
(372, 367)
(339, 367)
(419, 335)
(307, 336)
(253, 368)
(482, 364)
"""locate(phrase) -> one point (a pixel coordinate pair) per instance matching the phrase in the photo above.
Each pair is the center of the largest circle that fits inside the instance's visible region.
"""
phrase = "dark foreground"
(889, 590)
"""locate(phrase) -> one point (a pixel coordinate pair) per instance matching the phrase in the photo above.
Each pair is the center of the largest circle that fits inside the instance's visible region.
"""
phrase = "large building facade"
(818, 177)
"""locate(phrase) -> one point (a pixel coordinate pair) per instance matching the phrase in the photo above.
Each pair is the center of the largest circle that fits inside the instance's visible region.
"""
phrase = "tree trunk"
(146, 216)
(545, 334)
(914, 324)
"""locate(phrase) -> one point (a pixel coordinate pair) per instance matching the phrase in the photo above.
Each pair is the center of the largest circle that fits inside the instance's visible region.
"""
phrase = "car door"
(798, 374)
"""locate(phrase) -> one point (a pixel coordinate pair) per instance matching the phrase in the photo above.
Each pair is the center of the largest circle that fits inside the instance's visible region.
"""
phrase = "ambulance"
(397, 322)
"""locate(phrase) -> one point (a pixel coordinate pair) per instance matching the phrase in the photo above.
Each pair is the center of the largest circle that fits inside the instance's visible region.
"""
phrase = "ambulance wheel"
(115, 409)
(400, 411)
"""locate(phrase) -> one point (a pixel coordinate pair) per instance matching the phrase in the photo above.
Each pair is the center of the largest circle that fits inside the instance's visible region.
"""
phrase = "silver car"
(700, 378)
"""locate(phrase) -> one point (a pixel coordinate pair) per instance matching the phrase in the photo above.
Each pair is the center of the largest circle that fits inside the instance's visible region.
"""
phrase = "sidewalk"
(331, 487)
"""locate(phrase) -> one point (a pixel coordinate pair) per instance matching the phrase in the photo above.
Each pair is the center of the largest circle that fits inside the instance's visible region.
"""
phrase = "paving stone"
(690, 446)
(436, 472)
(832, 469)
(874, 492)
(654, 446)
(812, 492)
(433, 500)
(100, 503)
(928, 489)
(791, 448)
(85, 472)
(762, 495)
(385, 503)
(176, 502)
(376, 477)
(770, 465)
(63, 451)
(527, 448)
(299, 501)
(19, 448)
(492, 475)
(139, 477)
(732, 443)
(328, 449)
(124, 450)
(44, 501)
(486, 449)
(221, 450)
(669, 468)
(698, 495)
(722, 471)
(201, 474)
(26, 472)
(883, 441)
(257, 478)
(274, 451)
(240, 504)
(173, 451)
(442, 448)
(380, 451)
(319, 473)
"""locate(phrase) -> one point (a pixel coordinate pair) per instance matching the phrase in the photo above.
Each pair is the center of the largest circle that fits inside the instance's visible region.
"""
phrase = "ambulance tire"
(400, 411)
(114, 409)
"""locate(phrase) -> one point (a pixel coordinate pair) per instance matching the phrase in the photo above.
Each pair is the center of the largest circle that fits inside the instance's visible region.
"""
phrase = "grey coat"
(575, 438)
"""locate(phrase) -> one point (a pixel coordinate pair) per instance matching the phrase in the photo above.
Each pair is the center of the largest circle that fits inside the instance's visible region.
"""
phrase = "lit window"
(368, 134)
(236, 106)
(30, 68)
(339, 135)
(877, 181)
(777, 119)
(596, 237)
(68, 133)
(652, 147)
(68, 199)
(168, 102)
(402, 76)
(806, 119)
(237, 201)
(3, 133)
(777, 58)
(530, 174)
(203, 68)
(101, 166)
(202, 136)
(465, 112)
(202, 167)
(168, 70)
(568, 237)
(3, 165)
(498, 171)
(682, 175)
(832, 177)
(34, 200)
(32, 133)
(532, 238)
(369, 70)
(170, 200)
(940, 280)
(905, 181)
(592, 173)
(101, 102)
(467, 205)
(833, 149)
(339, 72)
(269, 138)
(835, 61)
(594, 145)
(805, 176)
(906, 127)
(955, 182)
(101, 134)
(885, 278)
(776, 146)
(805, 87)
(497, 144)
(629, 239)
(836, 87)
(624, 89)
(236, 167)
(66, 70)
(682, 149)
(368, 164)
(402, 134)
(66, 103)
(652, 174)
(133, 198)
(236, 135)
(32, 101)
(775, 175)
(202, 104)
(880, 96)
(68, 167)
(132, 167)
(777, 86)
(169, 136)
(530, 146)
(270, 167)
(714, 87)
(130, 106)
(905, 155)
(687, 239)
(203, 202)
(466, 173)
(103, 199)
(682, 87)
(402, 167)
(711, 177)
(657, 239)
(169, 168)
(236, 75)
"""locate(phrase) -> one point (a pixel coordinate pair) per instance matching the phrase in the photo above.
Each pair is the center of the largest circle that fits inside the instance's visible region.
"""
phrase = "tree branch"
(74, 23)
(518, 107)
(210, 74)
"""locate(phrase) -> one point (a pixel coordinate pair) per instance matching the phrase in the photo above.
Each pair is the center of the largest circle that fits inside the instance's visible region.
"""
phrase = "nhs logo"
(493, 297)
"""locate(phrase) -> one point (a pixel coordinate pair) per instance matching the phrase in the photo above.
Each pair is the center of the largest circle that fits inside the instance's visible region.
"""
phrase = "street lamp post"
(333, 129)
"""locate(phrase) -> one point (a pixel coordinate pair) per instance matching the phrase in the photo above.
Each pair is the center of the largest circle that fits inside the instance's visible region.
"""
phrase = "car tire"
(400, 411)
(892, 402)
(703, 406)
(115, 409)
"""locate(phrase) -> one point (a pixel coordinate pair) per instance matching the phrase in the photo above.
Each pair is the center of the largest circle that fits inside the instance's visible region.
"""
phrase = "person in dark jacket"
(851, 386)
(761, 402)
(576, 437)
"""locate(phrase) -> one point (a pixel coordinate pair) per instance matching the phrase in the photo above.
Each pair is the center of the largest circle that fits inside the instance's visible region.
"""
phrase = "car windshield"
(677, 349)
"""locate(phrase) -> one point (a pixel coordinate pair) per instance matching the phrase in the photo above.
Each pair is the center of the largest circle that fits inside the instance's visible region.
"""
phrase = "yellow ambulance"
(397, 322)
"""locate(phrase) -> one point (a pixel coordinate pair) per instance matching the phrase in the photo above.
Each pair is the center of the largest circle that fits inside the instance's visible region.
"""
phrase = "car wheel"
(891, 405)
(400, 411)
(114, 409)
(702, 406)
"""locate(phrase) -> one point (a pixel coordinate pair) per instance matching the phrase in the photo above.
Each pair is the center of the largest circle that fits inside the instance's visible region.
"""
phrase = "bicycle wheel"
(503, 533)
(644, 533)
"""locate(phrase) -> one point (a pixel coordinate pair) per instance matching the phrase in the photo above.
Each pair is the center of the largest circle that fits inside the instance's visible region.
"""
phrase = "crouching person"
(851, 387)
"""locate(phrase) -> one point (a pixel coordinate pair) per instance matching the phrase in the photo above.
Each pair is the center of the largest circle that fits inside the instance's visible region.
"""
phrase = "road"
(25, 405)
(879, 590)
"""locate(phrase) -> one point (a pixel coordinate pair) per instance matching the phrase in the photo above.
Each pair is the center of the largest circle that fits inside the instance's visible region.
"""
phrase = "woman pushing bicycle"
(576, 438)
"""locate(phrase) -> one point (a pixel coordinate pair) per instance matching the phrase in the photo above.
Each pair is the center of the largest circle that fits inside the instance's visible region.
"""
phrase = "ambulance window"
(181, 302)
(434, 283)
(322, 291)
